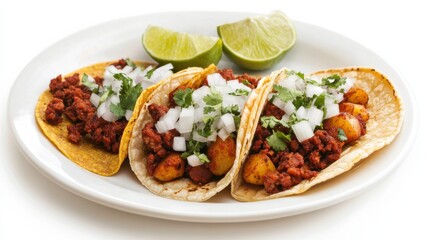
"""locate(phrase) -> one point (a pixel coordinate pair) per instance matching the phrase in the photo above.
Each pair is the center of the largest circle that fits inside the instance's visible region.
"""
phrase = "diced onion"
(186, 120)
(114, 99)
(223, 134)
(300, 84)
(199, 94)
(332, 110)
(285, 118)
(302, 130)
(311, 90)
(198, 114)
(179, 144)
(109, 116)
(133, 75)
(229, 100)
(315, 115)
(94, 99)
(338, 97)
(228, 122)
(102, 109)
(289, 108)
(301, 113)
(290, 82)
(187, 135)
(279, 103)
(128, 114)
(194, 161)
(161, 126)
(127, 69)
(215, 79)
(224, 89)
(170, 118)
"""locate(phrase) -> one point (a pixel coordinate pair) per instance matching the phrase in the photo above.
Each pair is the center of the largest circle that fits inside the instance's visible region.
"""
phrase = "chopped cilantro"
(130, 63)
(246, 82)
(278, 140)
(107, 93)
(234, 109)
(127, 95)
(342, 135)
(203, 158)
(271, 122)
(207, 129)
(183, 97)
(240, 92)
(334, 81)
(302, 100)
(149, 73)
(213, 101)
(286, 94)
(89, 84)
(195, 147)
(319, 102)
(300, 75)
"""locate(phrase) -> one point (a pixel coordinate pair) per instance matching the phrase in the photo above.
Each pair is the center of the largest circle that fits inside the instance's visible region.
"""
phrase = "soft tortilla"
(386, 117)
(86, 154)
(184, 188)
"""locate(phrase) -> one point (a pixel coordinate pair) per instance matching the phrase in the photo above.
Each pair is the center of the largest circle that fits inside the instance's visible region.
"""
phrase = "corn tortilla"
(184, 188)
(86, 154)
(386, 117)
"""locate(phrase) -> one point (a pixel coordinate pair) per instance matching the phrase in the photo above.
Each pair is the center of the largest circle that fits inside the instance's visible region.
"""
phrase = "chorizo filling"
(302, 129)
(99, 107)
(195, 136)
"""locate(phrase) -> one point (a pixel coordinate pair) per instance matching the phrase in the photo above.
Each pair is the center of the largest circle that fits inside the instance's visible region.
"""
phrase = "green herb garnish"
(240, 92)
(130, 63)
(278, 140)
(127, 95)
(183, 97)
(271, 122)
(334, 81)
(286, 94)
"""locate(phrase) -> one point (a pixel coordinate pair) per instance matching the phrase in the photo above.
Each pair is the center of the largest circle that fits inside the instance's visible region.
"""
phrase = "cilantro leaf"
(240, 92)
(278, 140)
(107, 93)
(286, 94)
(342, 135)
(271, 122)
(89, 84)
(150, 72)
(300, 75)
(246, 82)
(130, 63)
(233, 109)
(192, 147)
(117, 110)
(334, 81)
(213, 99)
(183, 97)
(207, 129)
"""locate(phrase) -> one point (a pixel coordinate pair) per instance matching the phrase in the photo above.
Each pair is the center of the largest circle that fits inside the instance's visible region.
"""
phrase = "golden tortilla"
(184, 188)
(86, 154)
(386, 117)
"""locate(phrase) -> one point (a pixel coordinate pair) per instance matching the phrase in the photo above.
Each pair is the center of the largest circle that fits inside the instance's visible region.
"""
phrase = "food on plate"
(309, 129)
(183, 50)
(258, 43)
(88, 114)
(187, 138)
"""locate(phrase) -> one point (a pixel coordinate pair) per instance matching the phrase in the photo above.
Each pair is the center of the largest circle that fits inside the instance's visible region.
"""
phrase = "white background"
(31, 206)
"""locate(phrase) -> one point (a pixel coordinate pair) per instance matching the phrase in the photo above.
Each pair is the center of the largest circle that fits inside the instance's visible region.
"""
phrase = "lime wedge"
(258, 43)
(181, 49)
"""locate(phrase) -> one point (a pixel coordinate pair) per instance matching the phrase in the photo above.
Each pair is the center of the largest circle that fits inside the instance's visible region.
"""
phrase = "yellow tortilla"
(386, 117)
(184, 188)
(86, 154)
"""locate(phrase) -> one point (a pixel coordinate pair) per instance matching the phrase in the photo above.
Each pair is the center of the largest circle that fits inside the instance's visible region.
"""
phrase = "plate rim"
(98, 197)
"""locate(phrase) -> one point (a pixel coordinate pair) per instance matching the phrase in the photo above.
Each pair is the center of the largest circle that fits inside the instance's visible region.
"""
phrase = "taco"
(309, 129)
(186, 142)
(88, 115)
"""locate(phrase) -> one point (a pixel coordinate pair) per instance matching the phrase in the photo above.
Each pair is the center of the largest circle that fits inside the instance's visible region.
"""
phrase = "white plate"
(316, 48)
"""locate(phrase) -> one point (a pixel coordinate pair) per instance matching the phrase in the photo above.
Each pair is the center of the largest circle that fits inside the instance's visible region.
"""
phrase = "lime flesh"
(258, 43)
(183, 50)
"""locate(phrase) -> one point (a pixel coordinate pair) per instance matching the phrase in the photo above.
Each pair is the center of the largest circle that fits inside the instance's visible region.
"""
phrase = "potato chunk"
(356, 110)
(345, 121)
(256, 167)
(170, 168)
(221, 155)
(356, 95)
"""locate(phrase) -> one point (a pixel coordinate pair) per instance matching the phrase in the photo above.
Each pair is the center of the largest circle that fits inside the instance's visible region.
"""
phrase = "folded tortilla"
(184, 188)
(386, 117)
(86, 154)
